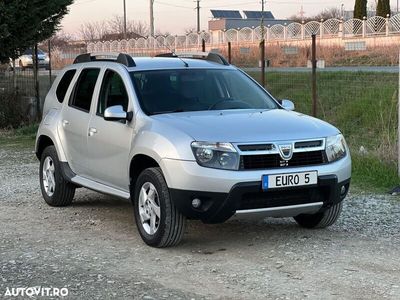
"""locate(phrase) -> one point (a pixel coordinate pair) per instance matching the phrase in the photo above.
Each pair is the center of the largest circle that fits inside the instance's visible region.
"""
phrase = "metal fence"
(18, 101)
(332, 28)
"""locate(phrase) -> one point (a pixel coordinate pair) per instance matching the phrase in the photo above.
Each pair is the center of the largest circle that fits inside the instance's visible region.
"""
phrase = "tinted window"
(167, 91)
(113, 92)
(83, 93)
(64, 84)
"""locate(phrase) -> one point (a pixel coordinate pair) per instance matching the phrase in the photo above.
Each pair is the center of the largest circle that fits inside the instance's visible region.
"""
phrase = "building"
(223, 20)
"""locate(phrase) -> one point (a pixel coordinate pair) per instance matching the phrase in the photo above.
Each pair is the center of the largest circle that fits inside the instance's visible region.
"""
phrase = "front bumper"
(188, 175)
(224, 193)
(248, 197)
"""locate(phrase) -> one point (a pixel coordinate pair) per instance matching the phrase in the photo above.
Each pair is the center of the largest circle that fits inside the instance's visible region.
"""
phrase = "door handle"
(92, 131)
(65, 123)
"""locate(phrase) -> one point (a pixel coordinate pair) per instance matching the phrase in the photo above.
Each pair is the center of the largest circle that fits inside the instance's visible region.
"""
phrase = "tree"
(383, 8)
(327, 13)
(24, 23)
(112, 29)
(360, 9)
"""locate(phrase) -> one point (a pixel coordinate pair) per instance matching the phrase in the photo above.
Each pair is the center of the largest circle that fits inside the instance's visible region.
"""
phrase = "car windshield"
(168, 91)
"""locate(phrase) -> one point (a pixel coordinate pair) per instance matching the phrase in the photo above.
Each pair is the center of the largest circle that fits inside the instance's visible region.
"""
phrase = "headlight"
(335, 147)
(216, 155)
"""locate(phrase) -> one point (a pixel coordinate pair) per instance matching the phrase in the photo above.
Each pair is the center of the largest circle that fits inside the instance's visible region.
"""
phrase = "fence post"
(229, 52)
(50, 66)
(314, 74)
(321, 28)
(387, 24)
(341, 29)
(36, 80)
(176, 42)
(262, 58)
(364, 27)
(303, 30)
(203, 45)
(285, 32)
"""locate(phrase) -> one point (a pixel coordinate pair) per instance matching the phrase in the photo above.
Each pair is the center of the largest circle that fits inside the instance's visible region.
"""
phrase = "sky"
(174, 16)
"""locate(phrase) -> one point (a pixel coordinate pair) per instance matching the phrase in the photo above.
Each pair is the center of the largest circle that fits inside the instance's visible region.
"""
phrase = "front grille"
(270, 199)
(270, 161)
(308, 144)
(256, 147)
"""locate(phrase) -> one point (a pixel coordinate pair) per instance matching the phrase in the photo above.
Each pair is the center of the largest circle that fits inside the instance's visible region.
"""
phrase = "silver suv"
(187, 136)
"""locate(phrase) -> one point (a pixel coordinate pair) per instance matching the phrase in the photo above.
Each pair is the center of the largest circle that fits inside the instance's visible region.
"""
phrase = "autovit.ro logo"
(36, 291)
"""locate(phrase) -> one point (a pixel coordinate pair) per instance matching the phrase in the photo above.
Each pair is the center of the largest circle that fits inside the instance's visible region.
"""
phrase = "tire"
(169, 225)
(55, 189)
(321, 220)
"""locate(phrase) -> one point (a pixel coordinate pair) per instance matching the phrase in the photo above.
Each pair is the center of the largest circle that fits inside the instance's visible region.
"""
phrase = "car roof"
(158, 63)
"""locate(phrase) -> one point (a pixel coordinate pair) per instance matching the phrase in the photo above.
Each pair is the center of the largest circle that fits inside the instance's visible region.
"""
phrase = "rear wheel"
(321, 220)
(56, 190)
(159, 222)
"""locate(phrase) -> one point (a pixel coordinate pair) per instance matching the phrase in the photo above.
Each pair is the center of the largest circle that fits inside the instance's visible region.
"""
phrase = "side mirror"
(287, 104)
(117, 113)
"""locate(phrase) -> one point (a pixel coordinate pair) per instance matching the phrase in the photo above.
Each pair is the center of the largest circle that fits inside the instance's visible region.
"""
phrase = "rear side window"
(83, 93)
(64, 84)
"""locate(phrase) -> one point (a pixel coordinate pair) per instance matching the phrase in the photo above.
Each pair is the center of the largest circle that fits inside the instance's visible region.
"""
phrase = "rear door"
(109, 142)
(75, 118)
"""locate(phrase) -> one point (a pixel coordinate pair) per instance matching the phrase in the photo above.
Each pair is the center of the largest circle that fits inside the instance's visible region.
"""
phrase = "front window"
(183, 90)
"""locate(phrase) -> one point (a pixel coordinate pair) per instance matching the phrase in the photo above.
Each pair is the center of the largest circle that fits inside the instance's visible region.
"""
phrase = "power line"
(172, 5)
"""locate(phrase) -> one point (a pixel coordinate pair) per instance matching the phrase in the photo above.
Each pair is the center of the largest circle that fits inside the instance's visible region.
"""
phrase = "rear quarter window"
(62, 87)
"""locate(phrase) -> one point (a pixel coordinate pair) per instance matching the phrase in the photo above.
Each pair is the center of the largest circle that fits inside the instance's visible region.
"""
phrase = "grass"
(363, 106)
(23, 137)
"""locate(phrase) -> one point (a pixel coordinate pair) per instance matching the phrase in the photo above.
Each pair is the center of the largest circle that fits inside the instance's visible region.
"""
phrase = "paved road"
(93, 249)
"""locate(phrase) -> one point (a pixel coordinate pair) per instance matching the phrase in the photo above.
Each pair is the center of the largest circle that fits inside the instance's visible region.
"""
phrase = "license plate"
(279, 181)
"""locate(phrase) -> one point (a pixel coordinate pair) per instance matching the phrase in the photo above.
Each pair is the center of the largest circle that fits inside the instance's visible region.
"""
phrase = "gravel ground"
(94, 249)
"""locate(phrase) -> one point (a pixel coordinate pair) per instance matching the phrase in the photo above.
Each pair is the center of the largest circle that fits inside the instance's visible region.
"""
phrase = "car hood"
(243, 126)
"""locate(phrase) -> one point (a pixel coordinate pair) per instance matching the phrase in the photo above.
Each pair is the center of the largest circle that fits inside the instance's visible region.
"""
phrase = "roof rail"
(210, 56)
(121, 58)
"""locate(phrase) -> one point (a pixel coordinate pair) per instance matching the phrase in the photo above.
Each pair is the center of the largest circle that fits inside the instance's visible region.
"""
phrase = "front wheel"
(159, 222)
(322, 219)
(56, 190)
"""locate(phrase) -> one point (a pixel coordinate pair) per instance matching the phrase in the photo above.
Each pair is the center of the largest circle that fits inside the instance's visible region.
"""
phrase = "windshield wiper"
(167, 112)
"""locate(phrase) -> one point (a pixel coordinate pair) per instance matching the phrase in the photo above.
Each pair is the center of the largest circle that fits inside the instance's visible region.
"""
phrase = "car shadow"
(117, 215)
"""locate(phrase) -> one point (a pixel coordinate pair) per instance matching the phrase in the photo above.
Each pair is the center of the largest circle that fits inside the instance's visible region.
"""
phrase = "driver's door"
(109, 141)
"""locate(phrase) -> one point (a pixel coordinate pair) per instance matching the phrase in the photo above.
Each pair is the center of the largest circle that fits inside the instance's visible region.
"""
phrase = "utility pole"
(151, 17)
(198, 16)
(125, 19)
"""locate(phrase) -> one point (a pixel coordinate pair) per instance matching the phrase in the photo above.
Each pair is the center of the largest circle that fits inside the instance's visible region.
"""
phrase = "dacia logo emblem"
(286, 151)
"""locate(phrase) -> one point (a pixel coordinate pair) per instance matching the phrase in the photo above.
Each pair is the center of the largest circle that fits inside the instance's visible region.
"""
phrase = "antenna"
(172, 51)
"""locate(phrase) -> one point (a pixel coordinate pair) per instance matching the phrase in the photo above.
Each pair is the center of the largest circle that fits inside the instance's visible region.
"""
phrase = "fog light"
(196, 203)
(343, 190)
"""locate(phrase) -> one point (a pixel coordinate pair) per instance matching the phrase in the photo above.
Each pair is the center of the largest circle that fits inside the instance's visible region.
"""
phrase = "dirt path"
(94, 250)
